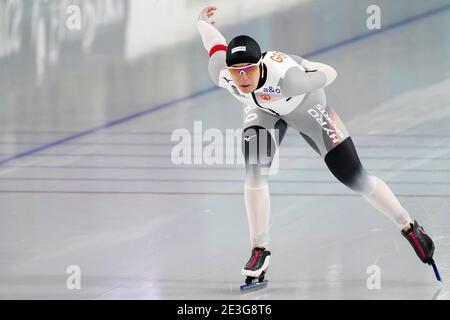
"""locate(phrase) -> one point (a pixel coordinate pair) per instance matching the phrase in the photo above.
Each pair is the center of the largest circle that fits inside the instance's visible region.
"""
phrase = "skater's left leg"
(344, 163)
(324, 131)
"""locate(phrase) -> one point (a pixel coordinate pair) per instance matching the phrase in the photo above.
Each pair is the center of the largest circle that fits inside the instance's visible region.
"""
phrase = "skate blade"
(436, 271)
(254, 286)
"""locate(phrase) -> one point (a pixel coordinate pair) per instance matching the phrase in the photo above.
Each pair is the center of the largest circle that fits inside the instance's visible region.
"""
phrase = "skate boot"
(255, 269)
(422, 244)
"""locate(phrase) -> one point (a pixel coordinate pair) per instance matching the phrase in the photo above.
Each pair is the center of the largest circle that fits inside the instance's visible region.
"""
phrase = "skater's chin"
(246, 88)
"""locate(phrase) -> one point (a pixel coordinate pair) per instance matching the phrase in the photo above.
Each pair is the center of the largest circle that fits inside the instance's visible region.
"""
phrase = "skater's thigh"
(261, 135)
(320, 126)
(324, 131)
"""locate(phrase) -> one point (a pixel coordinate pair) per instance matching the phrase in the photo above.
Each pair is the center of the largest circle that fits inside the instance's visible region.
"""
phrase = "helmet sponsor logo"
(237, 49)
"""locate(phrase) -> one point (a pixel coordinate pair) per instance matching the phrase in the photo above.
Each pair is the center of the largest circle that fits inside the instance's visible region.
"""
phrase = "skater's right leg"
(257, 205)
(261, 137)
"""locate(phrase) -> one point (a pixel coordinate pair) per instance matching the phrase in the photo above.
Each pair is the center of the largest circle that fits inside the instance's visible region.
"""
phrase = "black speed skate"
(423, 245)
(255, 269)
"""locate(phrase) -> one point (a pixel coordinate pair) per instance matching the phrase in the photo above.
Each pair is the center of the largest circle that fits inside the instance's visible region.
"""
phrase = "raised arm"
(297, 82)
(213, 41)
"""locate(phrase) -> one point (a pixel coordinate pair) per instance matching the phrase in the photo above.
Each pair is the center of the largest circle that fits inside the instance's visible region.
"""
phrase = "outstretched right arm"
(213, 41)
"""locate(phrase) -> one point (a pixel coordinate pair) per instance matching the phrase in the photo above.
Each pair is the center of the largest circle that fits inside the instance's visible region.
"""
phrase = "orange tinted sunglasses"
(244, 70)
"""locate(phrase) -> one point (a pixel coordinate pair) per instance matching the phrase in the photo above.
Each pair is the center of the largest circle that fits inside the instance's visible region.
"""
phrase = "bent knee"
(254, 178)
(344, 163)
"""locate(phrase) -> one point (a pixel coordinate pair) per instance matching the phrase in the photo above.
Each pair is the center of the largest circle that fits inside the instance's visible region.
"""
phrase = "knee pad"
(344, 163)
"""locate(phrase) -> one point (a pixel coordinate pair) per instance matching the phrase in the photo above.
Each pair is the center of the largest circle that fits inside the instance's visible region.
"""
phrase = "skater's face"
(245, 75)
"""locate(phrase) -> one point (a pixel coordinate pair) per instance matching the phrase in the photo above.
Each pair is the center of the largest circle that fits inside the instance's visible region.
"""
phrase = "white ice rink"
(87, 179)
